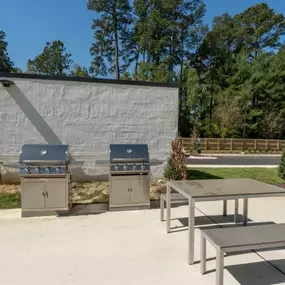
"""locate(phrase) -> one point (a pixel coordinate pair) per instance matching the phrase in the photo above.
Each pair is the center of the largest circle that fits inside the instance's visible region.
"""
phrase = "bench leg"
(220, 267)
(191, 228)
(236, 212)
(168, 206)
(203, 254)
(225, 208)
(161, 208)
(245, 211)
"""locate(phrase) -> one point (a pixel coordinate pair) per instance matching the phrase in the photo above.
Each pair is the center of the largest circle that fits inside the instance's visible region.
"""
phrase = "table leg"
(245, 211)
(236, 211)
(161, 208)
(203, 254)
(191, 225)
(225, 206)
(220, 267)
(168, 206)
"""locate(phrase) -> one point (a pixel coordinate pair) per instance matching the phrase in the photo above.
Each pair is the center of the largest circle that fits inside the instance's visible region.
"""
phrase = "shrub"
(175, 168)
(281, 168)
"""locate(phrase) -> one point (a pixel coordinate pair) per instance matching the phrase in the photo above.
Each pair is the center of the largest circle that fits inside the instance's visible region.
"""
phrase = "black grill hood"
(44, 153)
(129, 153)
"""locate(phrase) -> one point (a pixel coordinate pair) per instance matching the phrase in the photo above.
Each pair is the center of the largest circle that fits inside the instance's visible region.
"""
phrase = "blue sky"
(28, 24)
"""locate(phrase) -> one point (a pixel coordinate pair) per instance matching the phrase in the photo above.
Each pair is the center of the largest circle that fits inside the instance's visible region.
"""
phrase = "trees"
(231, 76)
(260, 28)
(236, 83)
(164, 36)
(79, 71)
(54, 60)
(5, 62)
(115, 16)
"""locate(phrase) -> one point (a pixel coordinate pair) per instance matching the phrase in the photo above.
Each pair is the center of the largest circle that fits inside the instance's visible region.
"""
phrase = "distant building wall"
(88, 116)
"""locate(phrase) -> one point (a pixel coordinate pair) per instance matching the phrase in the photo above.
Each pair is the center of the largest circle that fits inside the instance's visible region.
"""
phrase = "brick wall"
(87, 116)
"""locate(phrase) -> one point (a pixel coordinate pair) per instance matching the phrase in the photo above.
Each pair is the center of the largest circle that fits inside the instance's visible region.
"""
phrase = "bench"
(239, 239)
(176, 198)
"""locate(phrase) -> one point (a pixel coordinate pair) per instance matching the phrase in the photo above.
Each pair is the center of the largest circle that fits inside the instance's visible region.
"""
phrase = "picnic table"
(216, 190)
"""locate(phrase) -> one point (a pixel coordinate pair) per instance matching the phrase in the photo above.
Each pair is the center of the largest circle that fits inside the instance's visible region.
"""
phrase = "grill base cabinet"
(129, 177)
(45, 180)
(129, 192)
(42, 197)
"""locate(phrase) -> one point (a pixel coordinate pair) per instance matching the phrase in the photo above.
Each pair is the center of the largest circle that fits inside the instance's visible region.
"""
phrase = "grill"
(45, 179)
(129, 176)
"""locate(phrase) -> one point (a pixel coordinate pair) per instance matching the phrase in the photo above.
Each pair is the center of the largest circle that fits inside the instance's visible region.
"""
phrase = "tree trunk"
(136, 65)
(211, 99)
(117, 55)
(144, 51)
(171, 65)
(117, 67)
(182, 60)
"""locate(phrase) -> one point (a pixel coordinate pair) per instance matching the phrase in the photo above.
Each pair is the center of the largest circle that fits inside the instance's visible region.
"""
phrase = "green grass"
(94, 193)
(266, 175)
(10, 200)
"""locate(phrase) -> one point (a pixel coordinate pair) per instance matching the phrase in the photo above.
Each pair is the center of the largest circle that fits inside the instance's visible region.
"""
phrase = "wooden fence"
(234, 145)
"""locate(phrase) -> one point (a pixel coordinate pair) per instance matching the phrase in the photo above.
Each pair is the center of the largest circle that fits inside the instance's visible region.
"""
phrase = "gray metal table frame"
(269, 236)
(210, 197)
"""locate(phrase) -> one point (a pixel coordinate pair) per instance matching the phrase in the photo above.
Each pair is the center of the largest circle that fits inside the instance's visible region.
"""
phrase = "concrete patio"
(129, 248)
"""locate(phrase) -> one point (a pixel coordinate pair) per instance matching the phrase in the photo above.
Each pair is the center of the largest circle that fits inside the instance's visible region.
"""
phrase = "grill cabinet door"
(140, 189)
(120, 194)
(56, 193)
(33, 194)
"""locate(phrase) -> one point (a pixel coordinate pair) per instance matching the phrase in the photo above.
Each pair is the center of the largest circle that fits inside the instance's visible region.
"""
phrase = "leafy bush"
(175, 168)
(281, 168)
(171, 172)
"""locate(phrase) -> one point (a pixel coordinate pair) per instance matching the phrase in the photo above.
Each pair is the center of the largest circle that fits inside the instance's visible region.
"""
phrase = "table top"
(244, 236)
(239, 187)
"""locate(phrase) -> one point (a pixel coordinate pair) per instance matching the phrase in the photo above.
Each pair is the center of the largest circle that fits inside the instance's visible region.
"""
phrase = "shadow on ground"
(210, 220)
(215, 221)
(199, 175)
(257, 273)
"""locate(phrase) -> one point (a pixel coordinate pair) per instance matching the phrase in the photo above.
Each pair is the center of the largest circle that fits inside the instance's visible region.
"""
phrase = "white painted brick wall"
(88, 117)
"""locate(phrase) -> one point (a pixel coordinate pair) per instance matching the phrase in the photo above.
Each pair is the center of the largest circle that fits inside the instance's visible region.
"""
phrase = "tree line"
(231, 76)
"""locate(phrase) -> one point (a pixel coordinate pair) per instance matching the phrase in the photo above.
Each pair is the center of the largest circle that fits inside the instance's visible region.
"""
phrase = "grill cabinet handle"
(43, 194)
(46, 194)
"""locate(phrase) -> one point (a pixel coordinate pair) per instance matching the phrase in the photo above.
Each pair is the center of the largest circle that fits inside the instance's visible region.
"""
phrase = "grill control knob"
(57, 169)
(142, 167)
(37, 169)
(27, 169)
(126, 167)
(47, 169)
(134, 167)
(117, 167)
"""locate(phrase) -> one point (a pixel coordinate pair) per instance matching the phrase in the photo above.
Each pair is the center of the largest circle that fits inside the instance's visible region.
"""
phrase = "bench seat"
(176, 198)
(239, 239)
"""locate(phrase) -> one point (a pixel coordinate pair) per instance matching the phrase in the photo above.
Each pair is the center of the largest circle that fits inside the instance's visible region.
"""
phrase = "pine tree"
(114, 18)
(54, 60)
(5, 62)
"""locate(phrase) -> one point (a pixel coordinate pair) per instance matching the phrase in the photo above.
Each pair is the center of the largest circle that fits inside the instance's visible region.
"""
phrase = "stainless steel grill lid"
(129, 153)
(35, 154)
